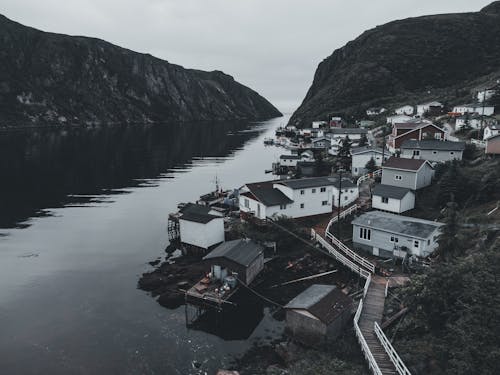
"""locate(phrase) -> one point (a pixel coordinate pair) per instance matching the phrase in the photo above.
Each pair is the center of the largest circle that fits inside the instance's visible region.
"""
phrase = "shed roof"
(390, 191)
(311, 182)
(364, 149)
(267, 194)
(241, 251)
(197, 213)
(291, 157)
(433, 144)
(397, 224)
(325, 302)
(405, 164)
(348, 131)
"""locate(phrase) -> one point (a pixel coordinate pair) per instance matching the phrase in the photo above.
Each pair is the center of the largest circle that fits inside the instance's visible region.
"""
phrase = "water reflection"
(52, 168)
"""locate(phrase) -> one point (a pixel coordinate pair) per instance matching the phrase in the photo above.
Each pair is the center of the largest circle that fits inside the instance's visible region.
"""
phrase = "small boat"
(268, 141)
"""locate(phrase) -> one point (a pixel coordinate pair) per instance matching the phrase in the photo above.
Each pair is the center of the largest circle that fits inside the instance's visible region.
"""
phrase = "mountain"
(52, 78)
(432, 57)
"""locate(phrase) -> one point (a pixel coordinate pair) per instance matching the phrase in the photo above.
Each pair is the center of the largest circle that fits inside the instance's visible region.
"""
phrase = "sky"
(272, 46)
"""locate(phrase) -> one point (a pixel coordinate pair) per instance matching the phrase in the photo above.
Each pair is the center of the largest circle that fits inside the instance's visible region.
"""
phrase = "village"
(352, 194)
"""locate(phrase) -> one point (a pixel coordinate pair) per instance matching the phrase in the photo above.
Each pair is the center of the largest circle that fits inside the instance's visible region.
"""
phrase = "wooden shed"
(242, 258)
(318, 313)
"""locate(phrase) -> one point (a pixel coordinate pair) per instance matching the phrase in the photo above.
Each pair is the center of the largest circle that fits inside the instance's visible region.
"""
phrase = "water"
(81, 214)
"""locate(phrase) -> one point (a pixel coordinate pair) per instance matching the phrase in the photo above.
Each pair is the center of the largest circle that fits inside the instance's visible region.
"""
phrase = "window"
(394, 239)
(345, 198)
(428, 242)
(313, 191)
(385, 199)
(437, 135)
(416, 244)
(323, 189)
(452, 153)
(282, 206)
(398, 177)
(416, 152)
(247, 203)
(302, 205)
(324, 203)
(365, 233)
(434, 152)
(302, 192)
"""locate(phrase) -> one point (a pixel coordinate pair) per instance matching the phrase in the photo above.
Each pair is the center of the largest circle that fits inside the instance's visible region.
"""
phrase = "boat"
(268, 141)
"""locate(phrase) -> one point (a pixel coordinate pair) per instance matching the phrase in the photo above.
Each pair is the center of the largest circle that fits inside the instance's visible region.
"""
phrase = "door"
(258, 211)
(375, 251)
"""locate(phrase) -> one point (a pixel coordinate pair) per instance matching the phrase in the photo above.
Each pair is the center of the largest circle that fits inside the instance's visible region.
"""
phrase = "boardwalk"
(373, 309)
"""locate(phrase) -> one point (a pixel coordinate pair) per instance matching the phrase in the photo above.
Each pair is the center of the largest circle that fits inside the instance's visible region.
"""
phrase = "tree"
(371, 166)
(452, 185)
(448, 240)
(363, 141)
(344, 153)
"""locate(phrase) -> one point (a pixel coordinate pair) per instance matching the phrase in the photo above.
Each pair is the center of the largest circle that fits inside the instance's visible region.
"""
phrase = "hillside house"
(411, 174)
(375, 111)
(432, 150)
(490, 131)
(317, 314)
(393, 198)
(200, 226)
(407, 110)
(429, 108)
(362, 155)
(336, 122)
(295, 198)
(493, 145)
(413, 130)
(389, 235)
(364, 124)
(307, 155)
(398, 119)
(483, 110)
(321, 143)
(242, 259)
(289, 160)
(354, 134)
(473, 121)
(487, 93)
(318, 124)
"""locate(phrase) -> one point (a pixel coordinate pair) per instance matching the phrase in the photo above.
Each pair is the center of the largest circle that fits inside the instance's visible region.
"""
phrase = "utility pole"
(338, 208)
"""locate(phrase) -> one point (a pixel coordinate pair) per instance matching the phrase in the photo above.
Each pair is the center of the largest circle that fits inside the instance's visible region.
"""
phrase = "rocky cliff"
(53, 78)
(431, 57)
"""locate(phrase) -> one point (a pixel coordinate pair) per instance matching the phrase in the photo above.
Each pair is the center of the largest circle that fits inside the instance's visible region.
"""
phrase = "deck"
(207, 292)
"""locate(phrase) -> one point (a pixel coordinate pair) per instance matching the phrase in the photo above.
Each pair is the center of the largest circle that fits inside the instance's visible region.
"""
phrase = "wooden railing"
(339, 256)
(355, 257)
(391, 352)
(367, 176)
(342, 215)
(372, 363)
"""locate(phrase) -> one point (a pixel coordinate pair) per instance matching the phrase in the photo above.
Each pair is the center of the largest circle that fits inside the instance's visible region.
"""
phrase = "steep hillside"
(442, 56)
(53, 78)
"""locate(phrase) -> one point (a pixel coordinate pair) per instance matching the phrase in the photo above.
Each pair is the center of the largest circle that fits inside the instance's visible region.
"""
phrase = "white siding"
(348, 196)
(439, 156)
(200, 234)
(394, 205)
(359, 161)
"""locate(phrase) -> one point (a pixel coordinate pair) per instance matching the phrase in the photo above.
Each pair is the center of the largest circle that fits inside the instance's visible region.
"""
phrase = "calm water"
(81, 214)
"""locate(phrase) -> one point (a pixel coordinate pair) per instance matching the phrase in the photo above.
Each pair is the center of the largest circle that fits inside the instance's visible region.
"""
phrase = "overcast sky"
(273, 46)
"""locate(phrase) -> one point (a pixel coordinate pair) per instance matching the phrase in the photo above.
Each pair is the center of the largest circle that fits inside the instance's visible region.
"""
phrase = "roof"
(325, 302)
(405, 164)
(432, 104)
(241, 251)
(267, 194)
(398, 224)
(304, 183)
(197, 213)
(363, 149)
(389, 191)
(292, 157)
(348, 131)
(433, 144)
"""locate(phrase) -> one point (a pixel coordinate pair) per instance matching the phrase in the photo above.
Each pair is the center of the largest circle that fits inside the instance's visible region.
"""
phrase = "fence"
(391, 352)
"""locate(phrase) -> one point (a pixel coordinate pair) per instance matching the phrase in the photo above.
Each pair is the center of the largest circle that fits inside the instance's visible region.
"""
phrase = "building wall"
(424, 176)
(253, 206)
(202, 235)
(487, 110)
(405, 110)
(493, 146)
(254, 268)
(395, 205)
(488, 132)
(307, 329)
(289, 162)
(408, 178)
(419, 134)
(359, 161)
(381, 240)
(348, 196)
(432, 155)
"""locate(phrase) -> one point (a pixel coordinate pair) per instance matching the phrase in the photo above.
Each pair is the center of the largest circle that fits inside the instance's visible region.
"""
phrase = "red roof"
(403, 163)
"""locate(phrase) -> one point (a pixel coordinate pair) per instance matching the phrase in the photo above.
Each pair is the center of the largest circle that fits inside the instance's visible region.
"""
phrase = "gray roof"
(242, 251)
(267, 194)
(348, 131)
(397, 224)
(291, 157)
(304, 183)
(433, 144)
(197, 213)
(325, 302)
(389, 191)
(363, 149)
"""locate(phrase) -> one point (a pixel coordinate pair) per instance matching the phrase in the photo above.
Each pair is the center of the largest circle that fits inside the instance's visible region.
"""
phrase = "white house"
(483, 110)
(362, 155)
(405, 110)
(200, 226)
(432, 150)
(318, 124)
(398, 119)
(289, 160)
(490, 131)
(474, 121)
(295, 198)
(411, 174)
(389, 235)
(375, 111)
(428, 107)
(307, 156)
(322, 143)
(392, 198)
(354, 134)
(487, 93)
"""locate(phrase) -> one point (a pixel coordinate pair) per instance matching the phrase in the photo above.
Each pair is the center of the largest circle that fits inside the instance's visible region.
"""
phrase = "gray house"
(412, 174)
(432, 150)
(392, 198)
(389, 235)
(318, 313)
